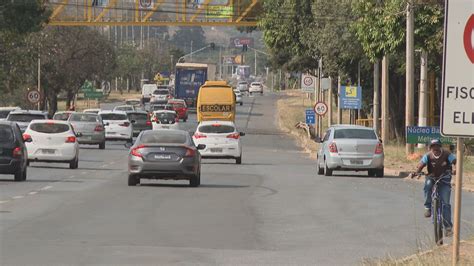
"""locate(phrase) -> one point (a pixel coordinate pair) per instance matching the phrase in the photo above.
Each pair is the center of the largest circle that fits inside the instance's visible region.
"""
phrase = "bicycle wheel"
(437, 222)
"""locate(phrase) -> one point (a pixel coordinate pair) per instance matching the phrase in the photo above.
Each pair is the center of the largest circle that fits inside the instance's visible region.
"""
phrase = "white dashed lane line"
(4, 201)
(46, 187)
(33, 192)
(18, 197)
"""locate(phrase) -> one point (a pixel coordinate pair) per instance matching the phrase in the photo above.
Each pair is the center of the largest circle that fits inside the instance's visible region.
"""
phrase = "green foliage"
(184, 35)
(22, 16)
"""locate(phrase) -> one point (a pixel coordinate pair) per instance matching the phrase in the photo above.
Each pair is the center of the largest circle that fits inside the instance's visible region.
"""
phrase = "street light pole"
(410, 72)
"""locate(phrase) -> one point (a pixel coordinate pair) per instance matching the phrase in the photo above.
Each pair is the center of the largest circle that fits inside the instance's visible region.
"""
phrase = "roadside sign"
(93, 94)
(148, 4)
(351, 97)
(308, 83)
(239, 42)
(457, 108)
(33, 96)
(326, 83)
(310, 117)
(423, 135)
(320, 108)
(87, 86)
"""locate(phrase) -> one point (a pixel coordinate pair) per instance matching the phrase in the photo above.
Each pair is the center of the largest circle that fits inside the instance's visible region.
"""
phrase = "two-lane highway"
(272, 209)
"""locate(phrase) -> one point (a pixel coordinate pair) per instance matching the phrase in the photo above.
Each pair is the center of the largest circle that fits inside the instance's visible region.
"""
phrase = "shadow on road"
(186, 185)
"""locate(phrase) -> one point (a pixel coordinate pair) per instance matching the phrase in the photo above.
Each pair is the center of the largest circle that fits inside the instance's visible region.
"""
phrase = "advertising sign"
(351, 97)
(238, 42)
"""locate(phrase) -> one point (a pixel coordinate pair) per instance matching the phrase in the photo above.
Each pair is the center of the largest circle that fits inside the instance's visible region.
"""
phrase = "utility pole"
(385, 99)
(191, 55)
(39, 80)
(423, 96)
(339, 110)
(255, 52)
(410, 72)
(330, 103)
(376, 106)
(220, 62)
(358, 86)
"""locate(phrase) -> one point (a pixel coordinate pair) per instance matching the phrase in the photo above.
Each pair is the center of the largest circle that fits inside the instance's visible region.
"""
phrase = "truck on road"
(189, 78)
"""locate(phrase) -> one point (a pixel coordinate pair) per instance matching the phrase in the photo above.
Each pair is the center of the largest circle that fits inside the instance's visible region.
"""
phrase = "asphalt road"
(272, 209)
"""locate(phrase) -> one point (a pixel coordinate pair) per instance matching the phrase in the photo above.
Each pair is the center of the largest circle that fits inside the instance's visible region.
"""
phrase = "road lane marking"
(4, 201)
(71, 176)
(46, 187)
(18, 197)
(83, 173)
(33, 192)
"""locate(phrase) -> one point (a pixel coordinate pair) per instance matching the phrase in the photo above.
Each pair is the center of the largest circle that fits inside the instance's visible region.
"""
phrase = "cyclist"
(440, 164)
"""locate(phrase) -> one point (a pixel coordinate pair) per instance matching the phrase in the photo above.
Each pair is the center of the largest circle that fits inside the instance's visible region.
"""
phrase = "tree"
(185, 35)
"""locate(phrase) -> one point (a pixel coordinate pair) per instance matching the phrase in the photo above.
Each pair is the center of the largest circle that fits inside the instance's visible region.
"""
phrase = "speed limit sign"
(320, 108)
(146, 4)
(33, 96)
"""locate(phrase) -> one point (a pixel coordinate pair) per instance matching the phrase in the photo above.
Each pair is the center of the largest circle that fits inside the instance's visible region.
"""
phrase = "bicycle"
(437, 207)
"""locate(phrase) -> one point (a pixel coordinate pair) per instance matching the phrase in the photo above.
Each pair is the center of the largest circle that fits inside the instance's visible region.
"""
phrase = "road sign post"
(308, 83)
(320, 108)
(310, 117)
(457, 108)
(33, 96)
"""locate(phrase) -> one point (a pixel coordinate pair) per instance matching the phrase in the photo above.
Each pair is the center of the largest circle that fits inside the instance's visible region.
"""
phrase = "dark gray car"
(165, 154)
(140, 121)
(13, 153)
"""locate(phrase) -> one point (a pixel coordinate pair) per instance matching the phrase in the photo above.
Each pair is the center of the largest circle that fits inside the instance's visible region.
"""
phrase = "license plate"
(162, 157)
(87, 137)
(357, 162)
(167, 127)
(216, 149)
(111, 133)
(48, 151)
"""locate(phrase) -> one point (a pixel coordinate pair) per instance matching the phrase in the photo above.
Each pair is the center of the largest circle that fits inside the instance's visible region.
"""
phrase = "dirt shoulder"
(291, 110)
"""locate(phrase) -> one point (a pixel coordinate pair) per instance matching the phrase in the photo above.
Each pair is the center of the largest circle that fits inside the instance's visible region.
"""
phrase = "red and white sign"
(240, 41)
(457, 109)
(148, 4)
(320, 108)
(308, 83)
(33, 96)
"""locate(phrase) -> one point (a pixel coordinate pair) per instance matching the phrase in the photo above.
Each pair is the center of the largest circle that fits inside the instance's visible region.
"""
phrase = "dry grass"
(113, 97)
(437, 256)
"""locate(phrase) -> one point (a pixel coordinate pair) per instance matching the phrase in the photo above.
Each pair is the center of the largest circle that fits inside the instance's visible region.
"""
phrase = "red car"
(180, 107)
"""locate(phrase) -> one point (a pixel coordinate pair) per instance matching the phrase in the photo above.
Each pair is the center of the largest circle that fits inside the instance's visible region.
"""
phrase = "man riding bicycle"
(440, 165)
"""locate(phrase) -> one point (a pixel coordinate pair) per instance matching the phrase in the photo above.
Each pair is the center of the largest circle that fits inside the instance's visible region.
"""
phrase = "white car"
(52, 141)
(238, 97)
(160, 96)
(4, 111)
(221, 138)
(117, 125)
(124, 108)
(256, 87)
(165, 119)
(92, 110)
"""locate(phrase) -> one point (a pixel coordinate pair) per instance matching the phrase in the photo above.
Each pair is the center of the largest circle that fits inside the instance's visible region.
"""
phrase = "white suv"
(256, 87)
(221, 138)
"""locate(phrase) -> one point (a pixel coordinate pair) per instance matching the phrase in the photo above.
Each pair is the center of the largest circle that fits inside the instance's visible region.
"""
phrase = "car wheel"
(318, 166)
(74, 164)
(184, 120)
(24, 174)
(241, 104)
(238, 160)
(261, 93)
(130, 140)
(379, 172)
(371, 173)
(133, 180)
(27, 163)
(195, 180)
(327, 171)
(102, 145)
(19, 175)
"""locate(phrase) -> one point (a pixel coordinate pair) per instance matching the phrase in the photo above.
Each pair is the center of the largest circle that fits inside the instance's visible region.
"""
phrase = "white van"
(147, 91)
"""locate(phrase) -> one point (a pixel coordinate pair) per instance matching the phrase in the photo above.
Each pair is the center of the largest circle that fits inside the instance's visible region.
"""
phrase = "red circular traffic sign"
(308, 81)
(320, 108)
(468, 38)
(33, 96)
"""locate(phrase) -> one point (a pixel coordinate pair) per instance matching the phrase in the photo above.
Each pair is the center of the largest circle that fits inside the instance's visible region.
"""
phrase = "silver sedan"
(351, 148)
(91, 128)
(164, 154)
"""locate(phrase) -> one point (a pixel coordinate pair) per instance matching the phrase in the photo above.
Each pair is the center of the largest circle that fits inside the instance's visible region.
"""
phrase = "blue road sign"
(310, 117)
(351, 97)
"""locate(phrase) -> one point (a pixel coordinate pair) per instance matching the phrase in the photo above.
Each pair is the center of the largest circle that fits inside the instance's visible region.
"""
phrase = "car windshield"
(216, 129)
(6, 134)
(161, 92)
(157, 107)
(351, 133)
(256, 84)
(24, 117)
(160, 137)
(178, 105)
(137, 117)
(4, 114)
(123, 108)
(113, 116)
(165, 117)
(49, 128)
(61, 116)
(83, 118)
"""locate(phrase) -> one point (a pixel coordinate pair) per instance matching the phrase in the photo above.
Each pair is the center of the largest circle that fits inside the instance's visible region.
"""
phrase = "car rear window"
(49, 128)
(124, 108)
(6, 134)
(113, 116)
(157, 107)
(24, 117)
(4, 114)
(83, 117)
(256, 84)
(137, 117)
(178, 105)
(161, 92)
(216, 129)
(160, 137)
(165, 117)
(62, 116)
(354, 134)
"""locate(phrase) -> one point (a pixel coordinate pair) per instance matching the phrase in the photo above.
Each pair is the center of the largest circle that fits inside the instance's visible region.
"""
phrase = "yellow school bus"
(216, 101)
